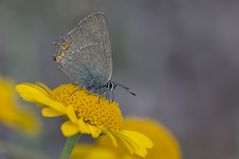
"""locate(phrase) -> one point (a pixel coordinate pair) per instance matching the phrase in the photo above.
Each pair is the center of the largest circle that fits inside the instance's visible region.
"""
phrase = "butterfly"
(85, 56)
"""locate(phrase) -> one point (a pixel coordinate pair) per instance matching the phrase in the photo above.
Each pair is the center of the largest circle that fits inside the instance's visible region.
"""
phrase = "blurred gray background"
(179, 56)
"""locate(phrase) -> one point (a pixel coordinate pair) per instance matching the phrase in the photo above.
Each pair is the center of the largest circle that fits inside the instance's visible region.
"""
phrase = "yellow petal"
(44, 86)
(135, 142)
(71, 114)
(140, 137)
(129, 145)
(88, 129)
(95, 132)
(83, 127)
(36, 87)
(29, 92)
(33, 93)
(25, 94)
(49, 112)
(111, 136)
(137, 146)
(68, 128)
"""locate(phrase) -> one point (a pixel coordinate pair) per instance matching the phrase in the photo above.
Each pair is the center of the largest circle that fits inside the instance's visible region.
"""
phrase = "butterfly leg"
(101, 92)
(99, 100)
(78, 88)
(107, 96)
(113, 96)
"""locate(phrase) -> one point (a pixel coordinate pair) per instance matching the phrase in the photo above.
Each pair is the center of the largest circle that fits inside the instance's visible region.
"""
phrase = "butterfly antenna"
(127, 89)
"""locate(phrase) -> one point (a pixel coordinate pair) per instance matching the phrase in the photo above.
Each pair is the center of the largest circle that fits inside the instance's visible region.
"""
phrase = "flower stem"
(69, 145)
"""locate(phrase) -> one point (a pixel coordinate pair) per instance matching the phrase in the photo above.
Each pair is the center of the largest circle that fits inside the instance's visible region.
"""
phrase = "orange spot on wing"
(58, 58)
(65, 46)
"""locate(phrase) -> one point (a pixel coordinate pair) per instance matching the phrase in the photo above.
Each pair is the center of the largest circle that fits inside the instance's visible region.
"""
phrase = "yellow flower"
(165, 144)
(87, 115)
(13, 114)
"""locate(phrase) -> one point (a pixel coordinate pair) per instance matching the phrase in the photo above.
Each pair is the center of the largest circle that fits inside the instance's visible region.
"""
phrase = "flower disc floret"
(88, 106)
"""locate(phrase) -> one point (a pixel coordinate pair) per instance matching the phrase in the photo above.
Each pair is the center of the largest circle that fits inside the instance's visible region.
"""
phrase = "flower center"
(88, 106)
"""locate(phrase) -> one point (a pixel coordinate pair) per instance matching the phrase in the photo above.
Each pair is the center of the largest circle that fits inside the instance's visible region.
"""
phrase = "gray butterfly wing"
(88, 58)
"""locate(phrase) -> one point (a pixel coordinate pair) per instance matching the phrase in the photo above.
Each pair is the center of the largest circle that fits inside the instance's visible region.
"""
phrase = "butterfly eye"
(110, 86)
